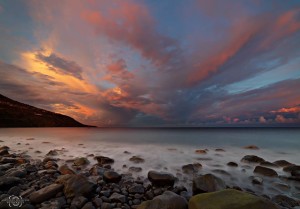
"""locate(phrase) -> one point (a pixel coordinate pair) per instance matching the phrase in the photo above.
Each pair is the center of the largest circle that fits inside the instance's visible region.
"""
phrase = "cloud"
(61, 65)
(282, 119)
(117, 71)
(131, 23)
(262, 119)
(128, 63)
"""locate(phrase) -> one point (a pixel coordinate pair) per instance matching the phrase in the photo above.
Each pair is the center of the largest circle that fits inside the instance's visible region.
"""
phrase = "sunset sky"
(154, 62)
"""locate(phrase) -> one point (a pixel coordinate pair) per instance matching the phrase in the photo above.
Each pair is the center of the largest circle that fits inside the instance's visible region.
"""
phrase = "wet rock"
(56, 203)
(27, 192)
(126, 152)
(282, 163)
(219, 150)
(51, 165)
(104, 160)
(149, 195)
(46, 159)
(6, 166)
(14, 191)
(291, 168)
(30, 168)
(64, 169)
(5, 160)
(76, 185)
(295, 173)
(229, 199)
(79, 201)
(106, 205)
(161, 178)
(232, 164)
(252, 147)
(6, 182)
(4, 150)
(97, 201)
(136, 159)
(200, 151)
(52, 153)
(252, 159)
(116, 197)
(268, 164)
(45, 193)
(81, 161)
(134, 169)
(285, 201)
(16, 172)
(257, 180)
(168, 200)
(137, 188)
(97, 170)
(111, 177)
(281, 186)
(88, 205)
(207, 183)
(265, 171)
(191, 168)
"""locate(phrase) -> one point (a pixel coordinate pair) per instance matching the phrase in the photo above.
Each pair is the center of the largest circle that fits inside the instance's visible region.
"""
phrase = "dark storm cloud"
(61, 65)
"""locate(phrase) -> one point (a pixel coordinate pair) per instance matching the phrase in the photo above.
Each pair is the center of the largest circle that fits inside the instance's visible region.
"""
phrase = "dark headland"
(17, 114)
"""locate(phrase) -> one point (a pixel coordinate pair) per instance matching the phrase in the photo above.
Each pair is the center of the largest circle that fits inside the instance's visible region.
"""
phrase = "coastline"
(110, 188)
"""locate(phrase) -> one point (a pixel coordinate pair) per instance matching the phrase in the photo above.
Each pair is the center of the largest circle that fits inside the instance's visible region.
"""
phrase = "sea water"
(168, 150)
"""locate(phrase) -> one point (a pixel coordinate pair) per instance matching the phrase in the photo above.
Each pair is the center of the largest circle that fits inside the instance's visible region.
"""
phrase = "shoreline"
(112, 188)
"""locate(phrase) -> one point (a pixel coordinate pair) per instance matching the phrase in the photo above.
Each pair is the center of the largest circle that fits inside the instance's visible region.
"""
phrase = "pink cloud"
(285, 25)
(132, 24)
(239, 37)
(262, 119)
(117, 72)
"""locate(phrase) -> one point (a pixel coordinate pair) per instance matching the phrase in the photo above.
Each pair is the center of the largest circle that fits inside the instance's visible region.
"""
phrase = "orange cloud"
(288, 110)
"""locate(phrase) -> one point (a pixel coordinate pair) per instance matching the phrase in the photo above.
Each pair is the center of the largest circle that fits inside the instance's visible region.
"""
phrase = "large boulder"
(161, 178)
(291, 168)
(76, 185)
(64, 169)
(4, 150)
(207, 183)
(102, 160)
(252, 159)
(282, 163)
(111, 177)
(168, 200)
(136, 159)
(191, 168)
(45, 193)
(81, 161)
(265, 171)
(230, 199)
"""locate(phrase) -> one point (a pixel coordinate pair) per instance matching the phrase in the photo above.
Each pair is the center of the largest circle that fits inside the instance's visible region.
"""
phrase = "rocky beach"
(56, 180)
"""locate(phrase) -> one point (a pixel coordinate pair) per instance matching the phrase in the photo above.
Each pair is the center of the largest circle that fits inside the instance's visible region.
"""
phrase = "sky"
(154, 63)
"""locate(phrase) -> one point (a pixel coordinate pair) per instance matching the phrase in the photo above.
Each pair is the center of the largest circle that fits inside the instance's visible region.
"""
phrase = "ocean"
(168, 150)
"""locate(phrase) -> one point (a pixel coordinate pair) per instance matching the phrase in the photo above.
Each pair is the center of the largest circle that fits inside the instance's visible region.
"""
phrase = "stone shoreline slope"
(52, 184)
(16, 114)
